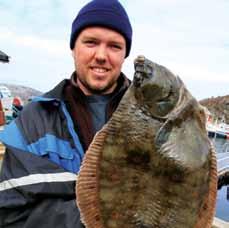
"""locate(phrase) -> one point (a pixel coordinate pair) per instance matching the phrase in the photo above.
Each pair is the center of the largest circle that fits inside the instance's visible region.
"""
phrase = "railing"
(225, 148)
(223, 162)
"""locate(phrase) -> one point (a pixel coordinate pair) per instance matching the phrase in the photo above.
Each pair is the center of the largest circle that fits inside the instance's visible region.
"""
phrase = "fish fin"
(183, 139)
(87, 193)
(184, 130)
(207, 211)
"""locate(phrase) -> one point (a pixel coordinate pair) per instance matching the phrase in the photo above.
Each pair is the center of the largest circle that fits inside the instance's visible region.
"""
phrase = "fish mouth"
(143, 70)
(137, 79)
(154, 87)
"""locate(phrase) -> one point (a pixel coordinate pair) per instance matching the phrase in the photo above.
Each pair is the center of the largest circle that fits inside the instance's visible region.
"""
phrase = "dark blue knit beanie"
(106, 13)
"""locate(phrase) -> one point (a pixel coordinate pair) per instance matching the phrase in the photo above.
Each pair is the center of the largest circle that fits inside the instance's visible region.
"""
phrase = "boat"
(216, 128)
(4, 92)
(222, 130)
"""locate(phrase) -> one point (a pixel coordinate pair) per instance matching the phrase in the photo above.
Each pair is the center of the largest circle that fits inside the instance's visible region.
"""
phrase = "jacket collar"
(123, 83)
(57, 93)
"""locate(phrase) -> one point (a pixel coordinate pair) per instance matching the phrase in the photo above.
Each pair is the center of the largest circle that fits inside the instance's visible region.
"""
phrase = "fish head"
(155, 87)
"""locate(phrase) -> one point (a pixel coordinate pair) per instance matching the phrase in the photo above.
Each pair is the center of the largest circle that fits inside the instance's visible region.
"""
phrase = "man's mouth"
(99, 69)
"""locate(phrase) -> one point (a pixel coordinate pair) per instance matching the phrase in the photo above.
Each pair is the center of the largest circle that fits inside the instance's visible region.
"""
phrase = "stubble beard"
(98, 91)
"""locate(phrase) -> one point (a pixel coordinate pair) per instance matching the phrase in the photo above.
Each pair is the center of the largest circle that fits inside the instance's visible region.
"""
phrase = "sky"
(190, 38)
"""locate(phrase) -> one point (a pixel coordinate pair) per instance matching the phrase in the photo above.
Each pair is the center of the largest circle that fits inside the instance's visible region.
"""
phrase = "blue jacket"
(40, 166)
(41, 163)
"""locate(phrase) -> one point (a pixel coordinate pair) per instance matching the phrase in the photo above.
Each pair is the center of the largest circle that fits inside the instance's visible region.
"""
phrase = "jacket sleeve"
(34, 190)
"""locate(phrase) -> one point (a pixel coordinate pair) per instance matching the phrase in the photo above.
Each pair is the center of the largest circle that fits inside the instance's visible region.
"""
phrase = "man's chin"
(99, 90)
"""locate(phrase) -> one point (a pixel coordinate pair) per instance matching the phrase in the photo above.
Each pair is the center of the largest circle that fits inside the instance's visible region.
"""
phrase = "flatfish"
(152, 165)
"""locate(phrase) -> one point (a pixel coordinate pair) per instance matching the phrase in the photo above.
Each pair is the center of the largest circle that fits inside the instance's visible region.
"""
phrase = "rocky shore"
(218, 106)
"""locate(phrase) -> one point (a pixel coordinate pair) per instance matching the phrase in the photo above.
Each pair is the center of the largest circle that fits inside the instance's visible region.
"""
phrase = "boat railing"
(225, 148)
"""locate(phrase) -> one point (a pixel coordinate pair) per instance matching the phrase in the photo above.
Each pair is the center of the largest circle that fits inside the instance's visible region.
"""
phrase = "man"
(45, 145)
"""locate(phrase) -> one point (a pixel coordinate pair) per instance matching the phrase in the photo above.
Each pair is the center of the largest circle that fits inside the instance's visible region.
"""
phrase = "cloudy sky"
(189, 37)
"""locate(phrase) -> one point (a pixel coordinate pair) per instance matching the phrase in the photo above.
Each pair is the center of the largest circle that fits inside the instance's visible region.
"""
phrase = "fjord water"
(222, 204)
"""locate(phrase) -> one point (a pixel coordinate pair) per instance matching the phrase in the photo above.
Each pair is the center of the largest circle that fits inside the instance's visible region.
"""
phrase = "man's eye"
(116, 46)
(90, 42)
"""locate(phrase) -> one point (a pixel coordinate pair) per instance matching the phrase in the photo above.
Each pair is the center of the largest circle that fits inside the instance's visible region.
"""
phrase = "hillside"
(22, 91)
(218, 106)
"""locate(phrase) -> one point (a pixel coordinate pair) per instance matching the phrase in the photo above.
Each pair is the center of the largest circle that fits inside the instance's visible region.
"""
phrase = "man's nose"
(101, 54)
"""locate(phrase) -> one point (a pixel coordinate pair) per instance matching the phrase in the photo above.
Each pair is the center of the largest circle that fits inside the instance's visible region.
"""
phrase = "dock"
(223, 169)
(223, 174)
(222, 163)
(218, 223)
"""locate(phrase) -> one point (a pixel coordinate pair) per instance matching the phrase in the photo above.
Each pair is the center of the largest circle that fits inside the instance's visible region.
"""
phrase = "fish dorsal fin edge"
(87, 186)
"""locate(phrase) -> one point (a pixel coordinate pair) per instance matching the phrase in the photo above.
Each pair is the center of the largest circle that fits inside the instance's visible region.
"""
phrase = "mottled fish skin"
(152, 165)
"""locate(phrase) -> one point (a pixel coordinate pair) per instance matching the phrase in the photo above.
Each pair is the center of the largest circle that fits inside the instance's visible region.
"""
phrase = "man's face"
(98, 55)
